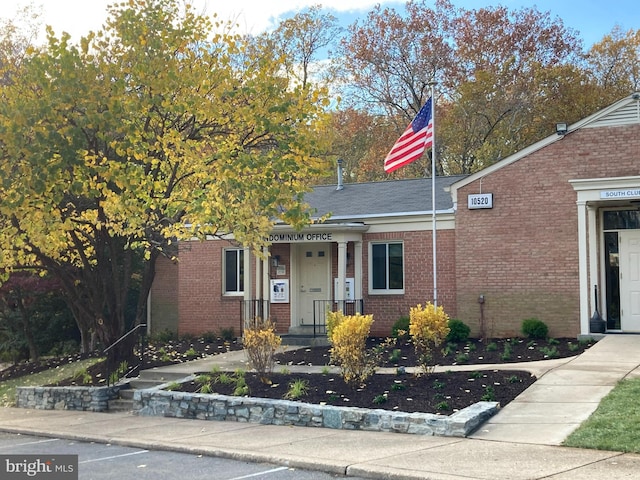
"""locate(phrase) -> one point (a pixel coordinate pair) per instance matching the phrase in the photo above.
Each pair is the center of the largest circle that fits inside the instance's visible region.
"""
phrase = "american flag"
(412, 143)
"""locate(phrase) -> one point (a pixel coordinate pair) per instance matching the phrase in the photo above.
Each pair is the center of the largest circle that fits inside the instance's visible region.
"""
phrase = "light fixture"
(561, 128)
(275, 260)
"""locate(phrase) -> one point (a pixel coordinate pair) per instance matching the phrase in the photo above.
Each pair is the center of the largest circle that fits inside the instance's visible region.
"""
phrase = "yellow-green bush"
(428, 327)
(260, 342)
(348, 338)
(333, 319)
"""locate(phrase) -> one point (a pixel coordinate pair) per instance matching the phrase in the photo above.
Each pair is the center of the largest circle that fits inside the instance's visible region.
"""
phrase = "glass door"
(620, 273)
(612, 280)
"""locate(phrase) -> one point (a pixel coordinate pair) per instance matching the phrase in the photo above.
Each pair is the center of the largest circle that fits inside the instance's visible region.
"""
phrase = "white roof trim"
(388, 215)
(598, 119)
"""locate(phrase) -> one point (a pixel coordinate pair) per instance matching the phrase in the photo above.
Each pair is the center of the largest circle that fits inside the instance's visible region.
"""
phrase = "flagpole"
(433, 196)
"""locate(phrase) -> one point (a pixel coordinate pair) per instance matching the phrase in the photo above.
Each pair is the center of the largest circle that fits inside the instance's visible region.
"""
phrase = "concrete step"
(142, 383)
(159, 376)
(120, 405)
(126, 394)
(308, 330)
(305, 340)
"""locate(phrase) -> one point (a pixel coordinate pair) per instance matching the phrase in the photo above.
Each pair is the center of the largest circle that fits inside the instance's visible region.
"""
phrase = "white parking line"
(114, 456)
(31, 443)
(273, 470)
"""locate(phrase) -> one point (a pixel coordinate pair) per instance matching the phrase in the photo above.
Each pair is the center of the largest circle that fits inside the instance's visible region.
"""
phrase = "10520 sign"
(480, 200)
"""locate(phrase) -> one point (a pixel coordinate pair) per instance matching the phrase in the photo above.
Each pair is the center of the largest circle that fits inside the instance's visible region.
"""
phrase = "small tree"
(428, 327)
(261, 342)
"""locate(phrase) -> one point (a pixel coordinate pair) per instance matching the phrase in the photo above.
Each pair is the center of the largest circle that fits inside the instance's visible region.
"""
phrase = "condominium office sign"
(300, 237)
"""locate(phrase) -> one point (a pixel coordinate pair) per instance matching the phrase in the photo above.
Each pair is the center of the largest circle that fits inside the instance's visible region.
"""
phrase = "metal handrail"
(140, 325)
(141, 353)
(348, 307)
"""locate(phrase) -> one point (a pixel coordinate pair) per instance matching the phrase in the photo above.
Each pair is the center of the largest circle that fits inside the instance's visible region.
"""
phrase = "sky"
(591, 18)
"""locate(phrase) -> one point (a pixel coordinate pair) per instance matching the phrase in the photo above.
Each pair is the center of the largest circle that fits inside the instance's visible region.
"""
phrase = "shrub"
(227, 334)
(458, 331)
(209, 336)
(549, 352)
(394, 357)
(506, 353)
(400, 328)
(428, 327)
(297, 389)
(380, 399)
(462, 358)
(534, 328)
(117, 374)
(242, 388)
(573, 347)
(348, 337)
(164, 336)
(261, 342)
(489, 394)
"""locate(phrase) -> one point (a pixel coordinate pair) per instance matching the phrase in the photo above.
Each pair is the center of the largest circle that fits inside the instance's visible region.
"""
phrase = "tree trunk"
(34, 355)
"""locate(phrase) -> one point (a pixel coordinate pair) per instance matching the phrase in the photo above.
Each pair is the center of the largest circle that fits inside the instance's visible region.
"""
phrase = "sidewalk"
(518, 443)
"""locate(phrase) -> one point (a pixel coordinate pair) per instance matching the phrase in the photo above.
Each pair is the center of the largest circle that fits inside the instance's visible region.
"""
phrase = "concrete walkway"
(566, 395)
(518, 443)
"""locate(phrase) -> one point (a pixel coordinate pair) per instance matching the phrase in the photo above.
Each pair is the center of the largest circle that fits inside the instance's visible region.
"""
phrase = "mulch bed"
(435, 393)
(471, 352)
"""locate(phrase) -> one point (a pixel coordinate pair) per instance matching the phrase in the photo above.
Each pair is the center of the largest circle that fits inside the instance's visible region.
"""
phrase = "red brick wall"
(523, 254)
(418, 264)
(203, 307)
(164, 297)
(280, 313)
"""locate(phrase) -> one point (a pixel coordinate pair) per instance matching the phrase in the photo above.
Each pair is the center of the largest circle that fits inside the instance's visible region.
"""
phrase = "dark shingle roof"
(394, 197)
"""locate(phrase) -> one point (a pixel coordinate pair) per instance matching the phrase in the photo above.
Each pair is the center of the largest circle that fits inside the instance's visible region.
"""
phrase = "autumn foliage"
(428, 328)
(348, 337)
(159, 127)
(260, 342)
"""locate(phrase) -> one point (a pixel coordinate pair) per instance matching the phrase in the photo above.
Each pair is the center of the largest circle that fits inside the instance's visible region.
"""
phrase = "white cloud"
(78, 17)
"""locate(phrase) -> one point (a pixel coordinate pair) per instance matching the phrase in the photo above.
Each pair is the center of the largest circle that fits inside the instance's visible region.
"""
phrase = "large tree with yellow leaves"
(158, 127)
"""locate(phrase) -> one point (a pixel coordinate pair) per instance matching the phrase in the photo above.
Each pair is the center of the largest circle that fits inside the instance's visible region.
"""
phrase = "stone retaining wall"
(94, 399)
(158, 402)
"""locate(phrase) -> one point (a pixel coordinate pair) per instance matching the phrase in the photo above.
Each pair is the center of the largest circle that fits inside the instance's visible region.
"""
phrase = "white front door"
(630, 280)
(312, 279)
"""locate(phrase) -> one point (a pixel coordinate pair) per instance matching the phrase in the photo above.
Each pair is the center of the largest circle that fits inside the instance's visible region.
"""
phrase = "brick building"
(542, 234)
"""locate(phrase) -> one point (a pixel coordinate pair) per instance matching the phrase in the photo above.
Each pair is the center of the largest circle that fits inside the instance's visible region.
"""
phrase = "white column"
(266, 260)
(592, 253)
(340, 296)
(583, 267)
(258, 277)
(357, 273)
(248, 286)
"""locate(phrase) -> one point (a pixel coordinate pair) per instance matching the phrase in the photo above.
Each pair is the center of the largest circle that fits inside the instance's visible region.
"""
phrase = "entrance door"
(313, 279)
(630, 280)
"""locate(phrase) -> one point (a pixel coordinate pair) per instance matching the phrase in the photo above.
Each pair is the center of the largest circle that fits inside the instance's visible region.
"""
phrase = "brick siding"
(523, 254)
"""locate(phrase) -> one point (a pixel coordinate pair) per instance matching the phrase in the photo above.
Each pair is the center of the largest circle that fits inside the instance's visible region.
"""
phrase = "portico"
(609, 251)
(303, 271)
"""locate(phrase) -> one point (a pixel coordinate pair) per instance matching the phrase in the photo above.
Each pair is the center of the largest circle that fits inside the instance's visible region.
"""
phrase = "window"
(621, 219)
(387, 268)
(233, 271)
